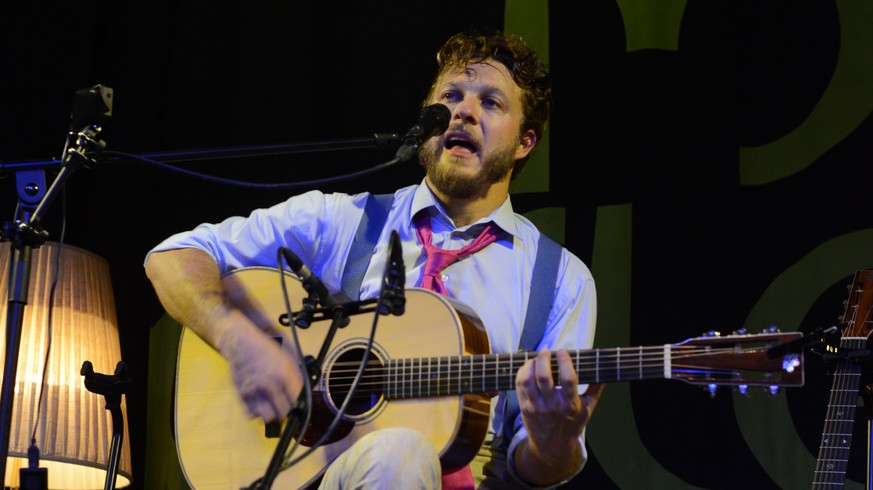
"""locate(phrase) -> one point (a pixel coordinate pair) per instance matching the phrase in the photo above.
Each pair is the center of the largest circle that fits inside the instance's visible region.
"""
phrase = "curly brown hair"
(526, 68)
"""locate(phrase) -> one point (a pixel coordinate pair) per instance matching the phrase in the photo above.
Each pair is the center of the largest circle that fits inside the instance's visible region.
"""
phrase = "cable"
(50, 318)
(354, 386)
(255, 185)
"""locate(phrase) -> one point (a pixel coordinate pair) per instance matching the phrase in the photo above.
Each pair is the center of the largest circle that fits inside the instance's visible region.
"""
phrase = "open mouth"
(460, 143)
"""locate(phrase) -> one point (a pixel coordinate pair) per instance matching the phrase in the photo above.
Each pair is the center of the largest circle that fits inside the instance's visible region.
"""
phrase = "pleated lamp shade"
(73, 427)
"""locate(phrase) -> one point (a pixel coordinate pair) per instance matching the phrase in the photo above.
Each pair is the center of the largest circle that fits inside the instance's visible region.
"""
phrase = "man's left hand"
(554, 415)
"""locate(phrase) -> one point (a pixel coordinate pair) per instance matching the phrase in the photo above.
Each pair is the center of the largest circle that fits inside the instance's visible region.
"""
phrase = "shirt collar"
(423, 199)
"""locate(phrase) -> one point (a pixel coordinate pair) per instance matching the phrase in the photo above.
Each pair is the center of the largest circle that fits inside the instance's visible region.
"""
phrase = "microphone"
(433, 120)
(394, 300)
(311, 283)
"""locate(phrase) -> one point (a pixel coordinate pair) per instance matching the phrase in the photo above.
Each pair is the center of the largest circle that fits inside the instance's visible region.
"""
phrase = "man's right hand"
(189, 286)
(267, 377)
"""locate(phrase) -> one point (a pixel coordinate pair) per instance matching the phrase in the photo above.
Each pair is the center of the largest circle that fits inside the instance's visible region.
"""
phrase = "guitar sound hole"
(342, 375)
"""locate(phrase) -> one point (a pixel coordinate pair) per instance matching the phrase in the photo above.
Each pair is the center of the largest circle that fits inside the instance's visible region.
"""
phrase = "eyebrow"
(484, 89)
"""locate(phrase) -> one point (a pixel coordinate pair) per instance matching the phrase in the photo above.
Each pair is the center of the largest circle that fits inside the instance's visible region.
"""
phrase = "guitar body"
(221, 447)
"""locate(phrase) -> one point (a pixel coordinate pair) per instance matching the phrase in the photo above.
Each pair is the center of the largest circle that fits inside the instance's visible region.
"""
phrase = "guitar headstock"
(859, 305)
(739, 360)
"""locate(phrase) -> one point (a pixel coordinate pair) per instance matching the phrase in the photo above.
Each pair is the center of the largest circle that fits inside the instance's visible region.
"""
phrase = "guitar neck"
(836, 438)
(489, 373)
(486, 373)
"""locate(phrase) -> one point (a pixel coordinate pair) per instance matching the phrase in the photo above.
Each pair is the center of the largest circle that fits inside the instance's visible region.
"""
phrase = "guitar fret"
(408, 379)
(470, 381)
(438, 386)
(496, 370)
(451, 376)
(394, 379)
(418, 377)
(618, 364)
(504, 370)
(511, 363)
(483, 374)
(641, 362)
(577, 362)
(457, 376)
(596, 365)
(450, 383)
(414, 377)
(465, 381)
(668, 359)
(419, 373)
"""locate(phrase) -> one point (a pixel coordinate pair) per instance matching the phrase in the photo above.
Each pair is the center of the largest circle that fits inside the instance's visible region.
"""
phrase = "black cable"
(353, 387)
(255, 185)
(50, 317)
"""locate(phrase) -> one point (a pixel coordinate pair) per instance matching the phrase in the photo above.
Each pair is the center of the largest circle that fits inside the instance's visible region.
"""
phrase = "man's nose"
(466, 111)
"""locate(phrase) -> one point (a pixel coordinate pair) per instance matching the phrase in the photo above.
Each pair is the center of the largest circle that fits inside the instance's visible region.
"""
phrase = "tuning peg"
(743, 389)
(741, 331)
(712, 333)
(774, 390)
(712, 388)
(772, 329)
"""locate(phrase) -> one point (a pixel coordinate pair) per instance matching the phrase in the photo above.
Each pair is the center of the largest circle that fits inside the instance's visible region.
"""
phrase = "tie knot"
(438, 259)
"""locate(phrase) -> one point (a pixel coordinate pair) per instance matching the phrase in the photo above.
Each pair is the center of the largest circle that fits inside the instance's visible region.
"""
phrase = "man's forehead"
(490, 72)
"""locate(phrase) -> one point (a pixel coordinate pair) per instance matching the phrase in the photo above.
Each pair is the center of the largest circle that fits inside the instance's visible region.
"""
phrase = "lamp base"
(33, 478)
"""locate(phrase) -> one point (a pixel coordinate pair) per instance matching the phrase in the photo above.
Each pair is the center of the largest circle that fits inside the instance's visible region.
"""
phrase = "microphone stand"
(391, 301)
(298, 412)
(91, 107)
(377, 141)
(111, 387)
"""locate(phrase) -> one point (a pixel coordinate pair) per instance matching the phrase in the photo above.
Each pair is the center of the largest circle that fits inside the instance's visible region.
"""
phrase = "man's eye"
(491, 103)
(450, 96)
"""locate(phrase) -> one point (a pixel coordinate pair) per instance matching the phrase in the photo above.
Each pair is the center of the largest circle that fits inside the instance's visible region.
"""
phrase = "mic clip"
(393, 297)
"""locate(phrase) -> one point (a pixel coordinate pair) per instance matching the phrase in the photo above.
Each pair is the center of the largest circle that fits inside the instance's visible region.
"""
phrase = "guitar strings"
(497, 365)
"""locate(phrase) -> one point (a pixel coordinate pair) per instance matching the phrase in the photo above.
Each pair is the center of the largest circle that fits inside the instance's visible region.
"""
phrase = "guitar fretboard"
(484, 373)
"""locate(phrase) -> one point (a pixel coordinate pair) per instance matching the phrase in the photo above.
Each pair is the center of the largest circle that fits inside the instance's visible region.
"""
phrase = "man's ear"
(526, 143)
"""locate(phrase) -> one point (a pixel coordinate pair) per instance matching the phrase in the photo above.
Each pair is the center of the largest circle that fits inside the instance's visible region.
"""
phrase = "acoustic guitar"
(429, 369)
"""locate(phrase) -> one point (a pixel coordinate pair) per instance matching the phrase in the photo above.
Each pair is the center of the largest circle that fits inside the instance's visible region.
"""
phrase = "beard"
(459, 185)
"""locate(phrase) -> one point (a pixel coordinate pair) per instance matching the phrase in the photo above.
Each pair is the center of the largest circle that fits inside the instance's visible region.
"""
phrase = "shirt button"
(444, 277)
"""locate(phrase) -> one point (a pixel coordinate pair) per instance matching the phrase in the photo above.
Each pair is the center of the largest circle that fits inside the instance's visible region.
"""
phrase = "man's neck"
(466, 211)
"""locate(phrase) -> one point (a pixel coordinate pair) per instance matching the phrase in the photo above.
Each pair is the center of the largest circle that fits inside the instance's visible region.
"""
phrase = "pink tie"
(438, 259)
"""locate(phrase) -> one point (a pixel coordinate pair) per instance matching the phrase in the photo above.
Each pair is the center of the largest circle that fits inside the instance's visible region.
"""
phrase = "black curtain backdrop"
(707, 159)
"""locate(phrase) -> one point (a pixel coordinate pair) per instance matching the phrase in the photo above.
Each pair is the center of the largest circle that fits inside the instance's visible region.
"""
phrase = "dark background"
(661, 130)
